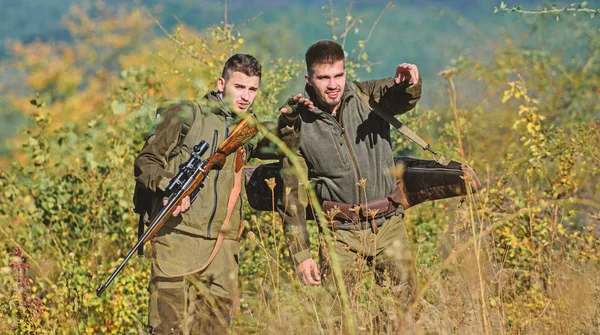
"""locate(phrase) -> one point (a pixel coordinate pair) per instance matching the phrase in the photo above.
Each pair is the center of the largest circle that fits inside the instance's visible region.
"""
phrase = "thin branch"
(225, 12)
(174, 39)
(196, 38)
(552, 11)
(332, 19)
(349, 23)
(250, 20)
(170, 63)
(589, 63)
(348, 26)
(362, 49)
(370, 64)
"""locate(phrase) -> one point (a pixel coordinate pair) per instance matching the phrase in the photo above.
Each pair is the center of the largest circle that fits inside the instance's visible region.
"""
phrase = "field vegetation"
(520, 104)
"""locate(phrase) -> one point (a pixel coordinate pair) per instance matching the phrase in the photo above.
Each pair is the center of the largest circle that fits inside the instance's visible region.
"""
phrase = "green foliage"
(68, 204)
(542, 177)
(521, 255)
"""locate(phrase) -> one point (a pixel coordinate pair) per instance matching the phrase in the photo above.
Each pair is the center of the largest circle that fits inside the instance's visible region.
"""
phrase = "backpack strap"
(185, 129)
(187, 122)
(374, 107)
(186, 126)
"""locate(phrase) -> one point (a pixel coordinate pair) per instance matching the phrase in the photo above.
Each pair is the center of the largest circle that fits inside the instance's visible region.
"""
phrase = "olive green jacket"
(159, 161)
(339, 152)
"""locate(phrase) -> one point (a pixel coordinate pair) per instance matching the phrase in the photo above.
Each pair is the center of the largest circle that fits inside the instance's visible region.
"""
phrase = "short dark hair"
(243, 63)
(323, 52)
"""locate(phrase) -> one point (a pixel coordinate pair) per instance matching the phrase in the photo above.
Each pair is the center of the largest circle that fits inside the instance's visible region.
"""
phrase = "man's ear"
(307, 77)
(221, 84)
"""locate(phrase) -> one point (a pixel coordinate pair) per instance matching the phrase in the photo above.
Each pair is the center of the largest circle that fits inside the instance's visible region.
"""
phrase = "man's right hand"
(290, 109)
(407, 71)
(306, 270)
(183, 206)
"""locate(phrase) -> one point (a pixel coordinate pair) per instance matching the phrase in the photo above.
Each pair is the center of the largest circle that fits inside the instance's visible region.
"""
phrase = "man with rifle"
(195, 253)
(347, 151)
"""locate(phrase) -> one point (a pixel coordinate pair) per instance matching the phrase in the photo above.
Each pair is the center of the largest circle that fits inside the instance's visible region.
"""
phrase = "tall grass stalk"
(476, 242)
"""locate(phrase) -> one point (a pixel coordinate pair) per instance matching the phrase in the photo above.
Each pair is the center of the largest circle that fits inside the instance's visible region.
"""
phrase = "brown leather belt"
(356, 216)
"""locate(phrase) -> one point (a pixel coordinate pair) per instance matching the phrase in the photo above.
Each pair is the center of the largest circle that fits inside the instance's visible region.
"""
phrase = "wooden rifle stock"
(243, 132)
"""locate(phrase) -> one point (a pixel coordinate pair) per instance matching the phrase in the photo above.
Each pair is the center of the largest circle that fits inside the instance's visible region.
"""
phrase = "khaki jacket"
(339, 152)
(159, 161)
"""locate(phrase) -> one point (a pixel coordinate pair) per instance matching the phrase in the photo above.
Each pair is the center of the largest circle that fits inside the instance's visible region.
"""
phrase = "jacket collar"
(217, 98)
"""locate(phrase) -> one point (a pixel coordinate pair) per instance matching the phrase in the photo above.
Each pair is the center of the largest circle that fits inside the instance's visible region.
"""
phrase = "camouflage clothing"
(182, 300)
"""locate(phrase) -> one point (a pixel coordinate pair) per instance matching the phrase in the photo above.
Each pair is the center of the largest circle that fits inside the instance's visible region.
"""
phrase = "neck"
(334, 110)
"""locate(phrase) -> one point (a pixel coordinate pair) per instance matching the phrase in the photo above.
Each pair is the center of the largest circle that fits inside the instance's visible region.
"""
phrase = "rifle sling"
(402, 128)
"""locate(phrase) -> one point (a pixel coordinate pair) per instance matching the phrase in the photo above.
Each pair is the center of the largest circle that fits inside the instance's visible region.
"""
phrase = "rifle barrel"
(244, 131)
(158, 222)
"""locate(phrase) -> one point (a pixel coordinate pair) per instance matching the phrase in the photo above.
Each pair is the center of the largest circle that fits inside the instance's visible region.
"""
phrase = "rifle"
(188, 182)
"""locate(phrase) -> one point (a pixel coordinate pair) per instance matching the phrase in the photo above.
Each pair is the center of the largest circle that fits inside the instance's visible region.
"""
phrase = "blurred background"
(512, 89)
(433, 34)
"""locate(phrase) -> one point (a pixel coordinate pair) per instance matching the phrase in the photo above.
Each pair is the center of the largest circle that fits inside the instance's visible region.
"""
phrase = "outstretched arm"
(398, 94)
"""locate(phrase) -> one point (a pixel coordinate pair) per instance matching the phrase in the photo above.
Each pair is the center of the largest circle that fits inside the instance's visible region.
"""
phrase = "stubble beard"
(331, 104)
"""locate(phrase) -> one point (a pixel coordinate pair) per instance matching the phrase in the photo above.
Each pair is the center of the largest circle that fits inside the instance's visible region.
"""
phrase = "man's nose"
(331, 84)
(245, 95)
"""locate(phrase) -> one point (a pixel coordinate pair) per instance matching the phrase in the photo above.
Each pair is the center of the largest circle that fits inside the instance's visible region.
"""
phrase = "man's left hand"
(183, 206)
(407, 71)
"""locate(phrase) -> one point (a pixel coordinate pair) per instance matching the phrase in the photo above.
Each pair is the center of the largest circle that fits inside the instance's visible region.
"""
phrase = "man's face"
(328, 81)
(239, 91)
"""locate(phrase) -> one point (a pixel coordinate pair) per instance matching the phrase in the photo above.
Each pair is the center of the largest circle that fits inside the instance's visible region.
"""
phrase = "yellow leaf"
(516, 124)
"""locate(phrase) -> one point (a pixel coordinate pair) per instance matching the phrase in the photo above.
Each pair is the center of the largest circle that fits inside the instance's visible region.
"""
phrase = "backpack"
(146, 202)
